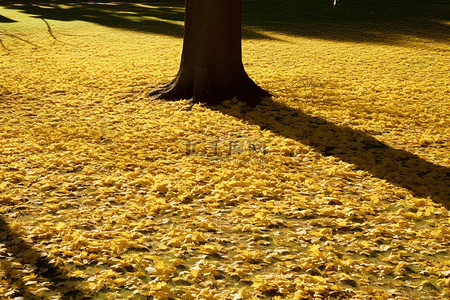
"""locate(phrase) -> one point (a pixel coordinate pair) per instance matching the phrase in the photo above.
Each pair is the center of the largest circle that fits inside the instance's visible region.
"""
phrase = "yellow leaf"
(120, 281)
(208, 249)
(315, 249)
(60, 226)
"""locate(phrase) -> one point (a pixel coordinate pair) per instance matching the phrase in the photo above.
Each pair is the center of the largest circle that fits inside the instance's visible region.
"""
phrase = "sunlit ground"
(333, 189)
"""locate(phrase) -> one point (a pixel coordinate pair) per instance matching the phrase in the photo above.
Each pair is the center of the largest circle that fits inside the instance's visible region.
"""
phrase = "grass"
(349, 200)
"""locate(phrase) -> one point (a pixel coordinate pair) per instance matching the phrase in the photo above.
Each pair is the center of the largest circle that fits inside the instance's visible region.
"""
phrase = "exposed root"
(170, 91)
(247, 91)
(156, 91)
(252, 94)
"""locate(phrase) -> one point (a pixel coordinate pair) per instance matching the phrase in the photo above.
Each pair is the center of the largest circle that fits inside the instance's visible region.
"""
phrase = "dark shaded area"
(399, 167)
(4, 19)
(145, 16)
(20, 251)
(375, 21)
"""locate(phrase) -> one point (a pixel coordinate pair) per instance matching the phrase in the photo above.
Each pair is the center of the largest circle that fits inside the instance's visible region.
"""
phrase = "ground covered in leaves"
(333, 189)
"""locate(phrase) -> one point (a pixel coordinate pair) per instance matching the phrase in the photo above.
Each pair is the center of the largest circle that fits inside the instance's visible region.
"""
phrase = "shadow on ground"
(20, 252)
(374, 21)
(399, 167)
(4, 19)
(160, 17)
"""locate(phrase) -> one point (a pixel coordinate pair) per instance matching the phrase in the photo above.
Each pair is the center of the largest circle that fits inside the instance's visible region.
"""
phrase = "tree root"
(246, 91)
(170, 91)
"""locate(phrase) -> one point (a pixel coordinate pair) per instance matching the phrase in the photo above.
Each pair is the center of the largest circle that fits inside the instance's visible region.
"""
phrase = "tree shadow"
(399, 167)
(4, 19)
(160, 17)
(19, 251)
(374, 21)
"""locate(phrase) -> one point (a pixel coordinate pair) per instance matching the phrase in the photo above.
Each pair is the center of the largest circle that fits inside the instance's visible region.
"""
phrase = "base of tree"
(211, 68)
(244, 90)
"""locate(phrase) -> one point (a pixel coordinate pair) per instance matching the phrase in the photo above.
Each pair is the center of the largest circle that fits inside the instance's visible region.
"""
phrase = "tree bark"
(211, 68)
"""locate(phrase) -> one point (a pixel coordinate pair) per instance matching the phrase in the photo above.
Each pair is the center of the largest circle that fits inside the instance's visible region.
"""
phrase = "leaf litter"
(99, 197)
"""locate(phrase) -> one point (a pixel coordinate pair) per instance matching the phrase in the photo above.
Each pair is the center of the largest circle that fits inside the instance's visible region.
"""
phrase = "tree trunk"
(211, 67)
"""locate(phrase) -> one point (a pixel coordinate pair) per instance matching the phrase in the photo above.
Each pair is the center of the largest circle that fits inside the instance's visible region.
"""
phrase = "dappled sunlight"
(379, 21)
(165, 18)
